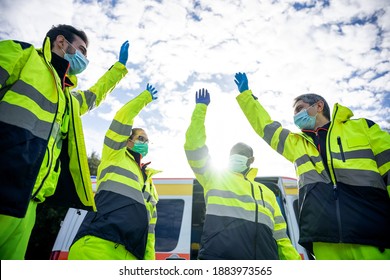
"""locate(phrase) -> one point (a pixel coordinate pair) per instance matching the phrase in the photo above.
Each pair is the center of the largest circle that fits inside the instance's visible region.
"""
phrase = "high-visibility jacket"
(243, 219)
(126, 197)
(348, 204)
(37, 117)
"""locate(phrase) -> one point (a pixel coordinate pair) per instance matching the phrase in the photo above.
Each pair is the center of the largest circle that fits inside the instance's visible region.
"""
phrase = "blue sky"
(338, 49)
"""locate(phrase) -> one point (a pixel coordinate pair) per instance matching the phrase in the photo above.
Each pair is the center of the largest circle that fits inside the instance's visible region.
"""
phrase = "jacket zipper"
(49, 161)
(335, 188)
(341, 148)
(77, 147)
(256, 214)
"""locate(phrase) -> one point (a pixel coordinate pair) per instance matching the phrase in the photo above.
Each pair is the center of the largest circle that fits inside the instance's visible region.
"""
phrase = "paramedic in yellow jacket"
(40, 127)
(126, 198)
(243, 219)
(343, 168)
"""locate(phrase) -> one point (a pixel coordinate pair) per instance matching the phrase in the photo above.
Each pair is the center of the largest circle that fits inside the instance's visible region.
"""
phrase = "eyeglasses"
(300, 108)
(81, 48)
(141, 139)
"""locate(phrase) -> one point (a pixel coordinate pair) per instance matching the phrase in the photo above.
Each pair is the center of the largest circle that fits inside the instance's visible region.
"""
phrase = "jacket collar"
(59, 66)
(341, 113)
(137, 158)
(252, 173)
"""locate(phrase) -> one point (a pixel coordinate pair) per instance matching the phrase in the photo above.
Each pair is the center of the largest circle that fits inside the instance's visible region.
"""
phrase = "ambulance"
(181, 212)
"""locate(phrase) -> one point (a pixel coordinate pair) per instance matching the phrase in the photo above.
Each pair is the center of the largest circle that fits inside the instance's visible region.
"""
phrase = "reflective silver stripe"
(197, 154)
(269, 131)
(113, 144)
(382, 158)
(267, 205)
(23, 118)
(3, 76)
(305, 158)
(78, 97)
(363, 154)
(120, 128)
(239, 213)
(90, 97)
(242, 198)
(279, 220)
(358, 177)
(120, 171)
(201, 170)
(229, 194)
(147, 195)
(312, 177)
(282, 139)
(151, 228)
(27, 90)
(279, 234)
(121, 189)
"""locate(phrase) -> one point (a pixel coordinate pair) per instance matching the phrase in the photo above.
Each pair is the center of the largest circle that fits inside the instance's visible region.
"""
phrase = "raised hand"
(152, 90)
(124, 53)
(241, 81)
(202, 96)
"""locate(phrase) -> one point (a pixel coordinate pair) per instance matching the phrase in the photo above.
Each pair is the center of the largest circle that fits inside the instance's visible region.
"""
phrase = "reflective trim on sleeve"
(197, 154)
(203, 169)
(305, 158)
(120, 128)
(279, 220)
(280, 234)
(267, 205)
(114, 144)
(90, 97)
(269, 131)
(282, 139)
(383, 158)
(118, 170)
(121, 189)
(78, 97)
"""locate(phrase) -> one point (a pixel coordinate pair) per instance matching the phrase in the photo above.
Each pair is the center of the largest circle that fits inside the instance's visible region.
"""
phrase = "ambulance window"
(169, 218)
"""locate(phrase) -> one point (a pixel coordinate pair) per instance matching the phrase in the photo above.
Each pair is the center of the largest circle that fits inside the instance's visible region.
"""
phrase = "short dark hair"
(242, 149)
(67, 31)
(312, 98)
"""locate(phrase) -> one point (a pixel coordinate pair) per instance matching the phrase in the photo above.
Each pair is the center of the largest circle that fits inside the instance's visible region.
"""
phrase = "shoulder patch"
(24, 45)
(369, 123)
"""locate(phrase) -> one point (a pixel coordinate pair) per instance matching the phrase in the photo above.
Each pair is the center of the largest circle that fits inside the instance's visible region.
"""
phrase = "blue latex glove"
(124, 53)
(202, 96)
(152, 90)
(241, 81)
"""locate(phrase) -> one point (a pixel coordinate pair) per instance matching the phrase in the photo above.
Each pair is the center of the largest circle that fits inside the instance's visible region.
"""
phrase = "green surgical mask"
(141, 148)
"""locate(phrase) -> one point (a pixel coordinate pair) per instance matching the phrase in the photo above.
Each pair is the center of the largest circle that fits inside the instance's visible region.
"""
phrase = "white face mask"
(303, 120)
(238, 163)
(78, 62)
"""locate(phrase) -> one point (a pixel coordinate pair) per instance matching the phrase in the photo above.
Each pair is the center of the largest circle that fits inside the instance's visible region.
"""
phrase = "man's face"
(77, 43)
(139, 135)
(300, 105)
